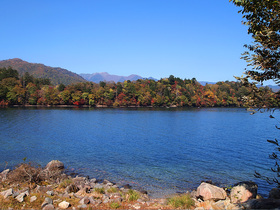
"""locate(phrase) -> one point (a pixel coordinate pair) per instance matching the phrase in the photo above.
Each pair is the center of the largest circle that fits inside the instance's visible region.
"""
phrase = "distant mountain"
(274, 88)
(203, 83)
(55, 74)
(104, 76)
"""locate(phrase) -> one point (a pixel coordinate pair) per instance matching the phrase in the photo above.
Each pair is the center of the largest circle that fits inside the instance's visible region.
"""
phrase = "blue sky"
(202, 39)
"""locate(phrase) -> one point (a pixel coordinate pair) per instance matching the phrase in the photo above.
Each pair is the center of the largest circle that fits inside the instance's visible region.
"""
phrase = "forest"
(166, 92)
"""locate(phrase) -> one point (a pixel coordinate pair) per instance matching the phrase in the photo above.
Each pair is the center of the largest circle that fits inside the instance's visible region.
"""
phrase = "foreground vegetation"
(30, 186)
(172, 91)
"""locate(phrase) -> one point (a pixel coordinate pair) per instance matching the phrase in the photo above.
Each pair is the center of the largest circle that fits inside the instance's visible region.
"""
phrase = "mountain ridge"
(105, 76)
(56, 75)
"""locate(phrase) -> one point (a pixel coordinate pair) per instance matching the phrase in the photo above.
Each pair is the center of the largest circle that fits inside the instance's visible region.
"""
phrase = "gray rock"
(48, 207)
(82, 206)
(21, 196)
(98, 186)
(93, 180)
(71, 188)
(274, 193)
(63, 205)
(55, 165)
(43, 189)
(84, 200)
(53, 168)
(33, 198)
(47, 201)
(92, 200)
(6, 193)
(50, 193)
(3, 174)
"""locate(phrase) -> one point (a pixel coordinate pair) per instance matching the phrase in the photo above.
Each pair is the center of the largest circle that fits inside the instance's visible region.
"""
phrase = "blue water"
(159, 150)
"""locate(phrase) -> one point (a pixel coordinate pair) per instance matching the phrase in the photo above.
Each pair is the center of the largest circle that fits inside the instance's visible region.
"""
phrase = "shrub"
(181, 201)
(115, 205)
(99, 190)
(25, 173)
(112, 190)
(133, 195)
(65, 183)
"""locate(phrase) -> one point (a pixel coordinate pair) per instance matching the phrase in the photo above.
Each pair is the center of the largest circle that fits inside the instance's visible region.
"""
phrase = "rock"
(55, 165)
(136, 206)
(42, 189)
(82, 206)
(93, 180)
(206, 204)
(274, 193)
(262, 204)
(33, 198)
(47, 201)
(243, 191)
(71, 188)
(98, 186)
(50, 193)
(127, 186)
(20, 197)
(3, 174)
(143, 192)
(105, 198)
(208, 191)
(91, 200)
(116, 197)
(53, 169)
(63, 205)
(84, 200)
(224, 204)
(6, 193)
(48, 207)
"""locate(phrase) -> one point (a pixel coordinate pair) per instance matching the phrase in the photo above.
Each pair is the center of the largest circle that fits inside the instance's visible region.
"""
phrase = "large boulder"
(274, 193)
(53, 170)
(243, 191)
(262, 204)
(54, 165)
(208, 191)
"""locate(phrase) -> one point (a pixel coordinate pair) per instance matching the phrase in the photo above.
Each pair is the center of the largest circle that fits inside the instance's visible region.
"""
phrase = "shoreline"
(115, 107)
(28, 186)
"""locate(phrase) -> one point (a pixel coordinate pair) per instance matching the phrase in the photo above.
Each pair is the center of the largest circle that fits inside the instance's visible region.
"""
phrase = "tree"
(263, 56)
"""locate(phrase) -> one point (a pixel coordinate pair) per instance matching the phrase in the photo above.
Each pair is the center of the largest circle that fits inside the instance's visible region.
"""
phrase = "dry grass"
(181, 201)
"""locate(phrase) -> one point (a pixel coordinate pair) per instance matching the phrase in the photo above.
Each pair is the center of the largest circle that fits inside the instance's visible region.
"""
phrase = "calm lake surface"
(160, 150)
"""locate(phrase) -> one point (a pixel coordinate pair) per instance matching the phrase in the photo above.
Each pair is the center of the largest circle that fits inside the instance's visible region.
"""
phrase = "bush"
(115, 205)
(65, 183)
(26, 173)
(133, 195)
(112, 190)
(100, 190)
(181, 201)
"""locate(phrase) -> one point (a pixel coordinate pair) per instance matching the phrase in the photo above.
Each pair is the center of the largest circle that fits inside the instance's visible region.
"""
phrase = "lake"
(157, 149)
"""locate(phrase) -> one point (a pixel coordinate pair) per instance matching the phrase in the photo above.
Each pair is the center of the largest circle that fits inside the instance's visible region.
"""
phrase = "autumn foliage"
(172, 91)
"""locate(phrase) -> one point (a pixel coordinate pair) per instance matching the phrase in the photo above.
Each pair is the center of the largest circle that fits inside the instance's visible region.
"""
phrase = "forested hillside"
(56, 75)
(172, 91)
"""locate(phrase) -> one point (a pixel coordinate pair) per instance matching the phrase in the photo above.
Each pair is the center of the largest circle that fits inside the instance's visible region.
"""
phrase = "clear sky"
(152, 38)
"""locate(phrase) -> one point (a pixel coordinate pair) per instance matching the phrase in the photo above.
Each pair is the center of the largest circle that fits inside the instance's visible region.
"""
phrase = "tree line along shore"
(167, 92)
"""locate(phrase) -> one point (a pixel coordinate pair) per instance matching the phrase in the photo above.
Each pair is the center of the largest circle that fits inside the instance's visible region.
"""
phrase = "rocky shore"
(31, 187)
